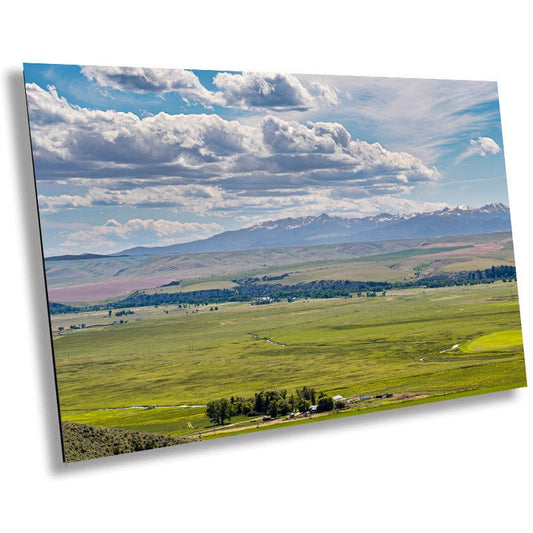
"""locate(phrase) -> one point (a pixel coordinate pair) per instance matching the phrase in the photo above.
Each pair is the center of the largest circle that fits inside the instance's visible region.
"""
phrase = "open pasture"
(157, 374)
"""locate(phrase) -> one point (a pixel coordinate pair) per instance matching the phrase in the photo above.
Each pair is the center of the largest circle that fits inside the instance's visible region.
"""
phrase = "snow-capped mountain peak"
(328, 229)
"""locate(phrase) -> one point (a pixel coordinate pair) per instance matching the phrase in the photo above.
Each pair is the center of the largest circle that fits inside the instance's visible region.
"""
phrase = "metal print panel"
(229, 252)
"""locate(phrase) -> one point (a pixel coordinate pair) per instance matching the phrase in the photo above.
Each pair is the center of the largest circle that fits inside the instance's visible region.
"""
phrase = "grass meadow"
(156, 375)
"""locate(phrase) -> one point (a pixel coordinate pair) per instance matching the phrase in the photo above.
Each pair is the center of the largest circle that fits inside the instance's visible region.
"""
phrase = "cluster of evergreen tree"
(59, 309)
(311, 289)
(506, 272)
(470, 277)
(141, 299)
(245, 281)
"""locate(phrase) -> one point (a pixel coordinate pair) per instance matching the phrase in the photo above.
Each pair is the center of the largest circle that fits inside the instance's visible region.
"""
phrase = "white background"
(462, 465)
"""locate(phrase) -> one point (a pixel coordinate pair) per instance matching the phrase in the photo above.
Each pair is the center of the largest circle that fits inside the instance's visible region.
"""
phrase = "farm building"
(339, 398)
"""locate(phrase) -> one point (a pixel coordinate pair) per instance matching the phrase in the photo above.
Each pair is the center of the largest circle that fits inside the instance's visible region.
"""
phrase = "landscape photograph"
(233, 252)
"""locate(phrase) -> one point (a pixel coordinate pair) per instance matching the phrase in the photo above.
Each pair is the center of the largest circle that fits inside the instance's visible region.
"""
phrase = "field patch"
(506, 340)
(93, 292)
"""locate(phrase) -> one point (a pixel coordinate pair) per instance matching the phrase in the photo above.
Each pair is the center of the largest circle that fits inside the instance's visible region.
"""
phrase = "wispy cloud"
(213, 201)
(199, 199)
(424, 117)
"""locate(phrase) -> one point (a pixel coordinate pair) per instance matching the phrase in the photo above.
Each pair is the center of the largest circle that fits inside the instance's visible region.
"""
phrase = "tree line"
(253, 291)
(271, 403)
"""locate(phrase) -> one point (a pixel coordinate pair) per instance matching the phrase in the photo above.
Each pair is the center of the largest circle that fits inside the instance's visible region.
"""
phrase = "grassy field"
(156, 375)
(193, 285)
(506, 340)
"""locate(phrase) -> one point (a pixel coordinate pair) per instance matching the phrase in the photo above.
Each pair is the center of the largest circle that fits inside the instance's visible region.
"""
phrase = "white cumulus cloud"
(200, 162)
(482, 146)
(249, 90)
(265, 91)
(113, 234)
(159, 80)
(324, 93)
(325, 145)
(88, 140)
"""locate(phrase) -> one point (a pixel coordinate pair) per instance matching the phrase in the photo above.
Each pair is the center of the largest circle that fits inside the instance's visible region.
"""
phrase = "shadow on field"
(37, 318)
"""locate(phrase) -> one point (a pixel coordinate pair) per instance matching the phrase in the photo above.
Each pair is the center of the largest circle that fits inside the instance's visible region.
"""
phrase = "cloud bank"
(249, 90)
(114, 234)
(71, 141)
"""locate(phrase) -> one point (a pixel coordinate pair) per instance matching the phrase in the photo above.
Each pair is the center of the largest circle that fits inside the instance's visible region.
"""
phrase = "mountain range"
(325, 229)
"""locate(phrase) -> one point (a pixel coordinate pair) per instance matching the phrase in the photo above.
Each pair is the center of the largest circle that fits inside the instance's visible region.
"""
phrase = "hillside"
(99, 279)
(88, 442)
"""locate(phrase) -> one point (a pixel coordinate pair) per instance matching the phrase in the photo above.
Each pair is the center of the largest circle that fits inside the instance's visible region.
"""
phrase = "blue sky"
(139, 156)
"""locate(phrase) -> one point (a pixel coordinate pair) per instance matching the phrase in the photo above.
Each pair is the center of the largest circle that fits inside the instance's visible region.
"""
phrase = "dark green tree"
(307, 393)
(283, 407)
(325, 403)
(259, 404)
(293, 401)
(303, 405)
(273, 409)
(218, 411)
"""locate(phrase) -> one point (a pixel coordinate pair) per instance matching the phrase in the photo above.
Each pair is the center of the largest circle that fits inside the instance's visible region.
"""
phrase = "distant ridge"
(326, 229)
